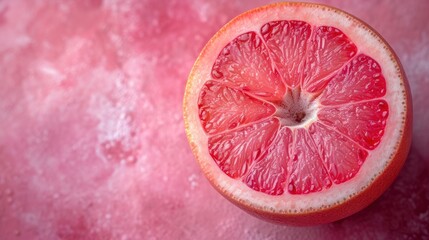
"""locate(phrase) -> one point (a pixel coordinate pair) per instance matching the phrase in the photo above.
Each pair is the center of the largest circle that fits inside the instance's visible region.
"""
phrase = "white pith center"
(298, 109)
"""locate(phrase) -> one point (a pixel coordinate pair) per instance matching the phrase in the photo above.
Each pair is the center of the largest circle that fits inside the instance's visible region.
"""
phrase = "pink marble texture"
(92, 142)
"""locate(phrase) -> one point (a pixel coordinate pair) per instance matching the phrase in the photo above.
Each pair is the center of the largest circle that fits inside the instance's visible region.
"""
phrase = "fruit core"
(297, 108)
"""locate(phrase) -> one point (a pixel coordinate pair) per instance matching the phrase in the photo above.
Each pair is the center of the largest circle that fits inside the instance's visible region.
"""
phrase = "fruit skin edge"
(355, 203)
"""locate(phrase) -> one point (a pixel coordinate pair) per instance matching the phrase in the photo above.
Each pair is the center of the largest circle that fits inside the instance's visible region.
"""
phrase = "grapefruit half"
(298, 113)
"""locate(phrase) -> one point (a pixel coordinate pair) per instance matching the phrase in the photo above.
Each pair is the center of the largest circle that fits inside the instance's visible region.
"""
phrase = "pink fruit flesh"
(262, 88)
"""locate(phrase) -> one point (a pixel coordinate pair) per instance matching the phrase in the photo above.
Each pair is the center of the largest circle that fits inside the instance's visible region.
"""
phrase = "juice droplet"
(291, 188)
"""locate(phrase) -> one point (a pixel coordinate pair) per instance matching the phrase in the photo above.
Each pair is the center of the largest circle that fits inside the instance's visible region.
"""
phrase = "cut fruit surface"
(299, 113)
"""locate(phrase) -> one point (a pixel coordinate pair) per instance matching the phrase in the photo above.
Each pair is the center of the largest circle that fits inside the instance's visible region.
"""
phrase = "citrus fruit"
(298, 113)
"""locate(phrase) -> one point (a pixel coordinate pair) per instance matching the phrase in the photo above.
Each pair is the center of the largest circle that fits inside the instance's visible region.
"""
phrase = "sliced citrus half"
(298, 113)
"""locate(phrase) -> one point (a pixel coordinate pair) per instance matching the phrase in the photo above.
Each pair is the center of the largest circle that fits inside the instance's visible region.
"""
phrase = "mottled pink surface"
(92, 142)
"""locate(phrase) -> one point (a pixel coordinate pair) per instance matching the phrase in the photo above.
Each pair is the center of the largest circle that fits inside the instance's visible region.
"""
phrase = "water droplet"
(291, 188)
(226, 51)
(265, 28)
(328, 182)
(227, 146)
(244, 37)
(217, 74)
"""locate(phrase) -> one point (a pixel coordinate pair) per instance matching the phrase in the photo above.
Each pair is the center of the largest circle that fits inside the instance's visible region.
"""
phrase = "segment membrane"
(245, 65)
(342, 157)
(269, 173)
(307, 173)
(287, 43)
(222, 108)
(329, 50)
(362, 122)
(236, 150)
(361, 79)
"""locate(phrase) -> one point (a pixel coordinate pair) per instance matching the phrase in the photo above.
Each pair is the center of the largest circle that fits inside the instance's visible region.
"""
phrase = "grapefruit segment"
(341, 156)
(361, 79)
(329, 49)
(244, 64)
(222, 108)
(287, 43)
(363, 122)
(236, 150)
(268, 174)
(307, 173)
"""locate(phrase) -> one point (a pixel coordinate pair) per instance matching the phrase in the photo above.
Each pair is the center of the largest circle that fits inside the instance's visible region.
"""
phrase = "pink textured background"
(92, 142)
